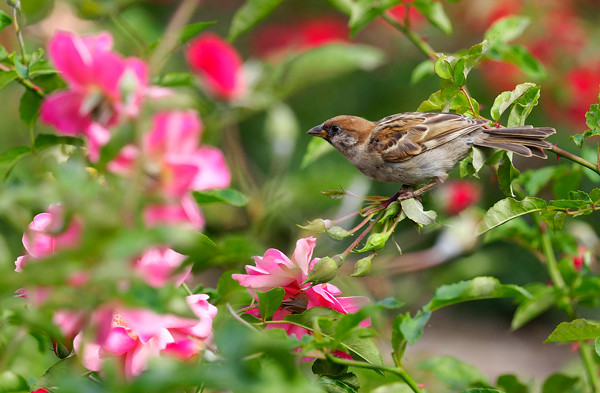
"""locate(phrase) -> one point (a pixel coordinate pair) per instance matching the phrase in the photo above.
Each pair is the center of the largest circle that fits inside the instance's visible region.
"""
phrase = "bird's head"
(343, 132)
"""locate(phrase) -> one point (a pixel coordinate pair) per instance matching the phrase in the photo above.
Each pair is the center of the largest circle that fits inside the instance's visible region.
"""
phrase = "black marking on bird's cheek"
(345, 140)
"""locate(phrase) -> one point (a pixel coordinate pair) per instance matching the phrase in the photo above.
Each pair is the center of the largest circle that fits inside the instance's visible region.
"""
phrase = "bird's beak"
(317, 131)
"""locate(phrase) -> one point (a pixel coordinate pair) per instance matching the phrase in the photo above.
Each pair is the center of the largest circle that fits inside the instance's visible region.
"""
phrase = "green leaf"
(316, 148)
(507, 29)
(443, 68)
(21, 69)
(543, 297)
(509, 208)
(414, 211)
(5, 20)
(554, 218)
(592, 120)
(507, 98)
(248, 15)
(519, 56)
(577, 330)
(481, 390)
(269, 302)
(511, 384)
(507, 175)
(43, 141)
(434, 12)
(464, 66)
(344, 6)
(345, 383)
(523, 106)
(364, 12)
(478, 288)
(6, 77)
(175, 79)
(29, 107)
(362, 348)
(412, 328)
(421, 71)
(221, 195)
(9, 158)
(11, 382)
(597, 346)
(322, 63)
(453, 372)
(190, 31)
(560, 383)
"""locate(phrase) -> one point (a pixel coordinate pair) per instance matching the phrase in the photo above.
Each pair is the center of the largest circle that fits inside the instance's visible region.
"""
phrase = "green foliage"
(576, 330)
(249, 14)
(592, 120)
(455, 374)
(223, 195)
(269, 302)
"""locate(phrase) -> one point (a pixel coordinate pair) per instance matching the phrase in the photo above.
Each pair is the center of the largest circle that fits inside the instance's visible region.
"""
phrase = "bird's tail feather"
(526, 141)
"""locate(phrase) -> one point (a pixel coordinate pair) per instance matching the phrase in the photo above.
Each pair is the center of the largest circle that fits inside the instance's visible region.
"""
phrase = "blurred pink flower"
(158, 264)
(218, 64)
(48, 233)
(102, 86)
(136, 335)
(275, 269)
(176, 165)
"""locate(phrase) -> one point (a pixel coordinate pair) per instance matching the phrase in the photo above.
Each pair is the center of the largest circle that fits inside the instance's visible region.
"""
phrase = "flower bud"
(362, 267)
(324, 270)
(337, 233)
(375, 242)
(318, 226)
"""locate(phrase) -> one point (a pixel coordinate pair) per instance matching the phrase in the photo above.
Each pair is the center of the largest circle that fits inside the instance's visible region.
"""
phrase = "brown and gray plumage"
(416, 148)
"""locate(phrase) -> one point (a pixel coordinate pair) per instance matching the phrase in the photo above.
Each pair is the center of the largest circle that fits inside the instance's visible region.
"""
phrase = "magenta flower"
(102, 88)
(218, 64)
(176, 165)
(46, 234)
(275, 269)
(137, 335)
(158, 264)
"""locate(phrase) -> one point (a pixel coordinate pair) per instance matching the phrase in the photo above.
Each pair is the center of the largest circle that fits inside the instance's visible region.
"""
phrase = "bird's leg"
(404, 193)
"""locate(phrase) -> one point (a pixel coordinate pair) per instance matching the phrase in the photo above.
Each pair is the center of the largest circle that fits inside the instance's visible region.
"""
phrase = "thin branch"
(423, 46)
(570, 156)
(180, 18)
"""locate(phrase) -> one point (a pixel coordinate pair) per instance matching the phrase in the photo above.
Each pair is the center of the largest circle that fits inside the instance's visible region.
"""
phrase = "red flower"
(415, 18)
(280, 39)
(218, 64)
(583, 86)
(459, 195)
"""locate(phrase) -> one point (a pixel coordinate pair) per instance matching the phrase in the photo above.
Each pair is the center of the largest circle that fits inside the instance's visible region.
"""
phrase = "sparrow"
(417, 148)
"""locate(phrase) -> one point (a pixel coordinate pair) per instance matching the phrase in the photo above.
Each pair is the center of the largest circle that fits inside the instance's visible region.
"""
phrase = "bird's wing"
(402, 136)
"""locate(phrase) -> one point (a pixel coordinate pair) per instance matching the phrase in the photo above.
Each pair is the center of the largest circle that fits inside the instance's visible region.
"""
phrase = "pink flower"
(275, 269)
(158, 264)
(218, 64)
(136, 335)
(102, 88)
(46, 234)
(176, 165)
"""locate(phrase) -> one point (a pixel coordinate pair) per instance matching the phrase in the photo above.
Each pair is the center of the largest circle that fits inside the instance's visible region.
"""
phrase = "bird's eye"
(335, 128)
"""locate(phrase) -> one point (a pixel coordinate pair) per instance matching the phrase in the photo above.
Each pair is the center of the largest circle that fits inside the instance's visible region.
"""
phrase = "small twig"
(240, 319)
(171, 38)
(371, 366)
(570, 156)
(359, 238)
(423, 46)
